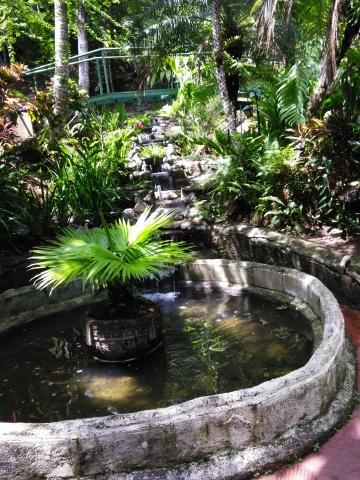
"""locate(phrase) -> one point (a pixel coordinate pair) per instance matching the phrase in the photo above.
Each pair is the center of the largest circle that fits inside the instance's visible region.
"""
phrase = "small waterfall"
(162, 179)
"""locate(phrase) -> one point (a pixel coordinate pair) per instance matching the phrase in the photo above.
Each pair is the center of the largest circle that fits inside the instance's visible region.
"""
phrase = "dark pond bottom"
(216, 341)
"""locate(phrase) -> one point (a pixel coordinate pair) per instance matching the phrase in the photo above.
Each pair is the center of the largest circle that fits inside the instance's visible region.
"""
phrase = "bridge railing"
(100, 57)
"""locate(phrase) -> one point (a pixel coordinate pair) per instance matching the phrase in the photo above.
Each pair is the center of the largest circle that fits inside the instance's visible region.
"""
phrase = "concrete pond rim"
(222, 436)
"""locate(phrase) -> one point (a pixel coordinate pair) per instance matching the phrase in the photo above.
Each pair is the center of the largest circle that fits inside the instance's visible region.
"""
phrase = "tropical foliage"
(116, 253)
(290, 67)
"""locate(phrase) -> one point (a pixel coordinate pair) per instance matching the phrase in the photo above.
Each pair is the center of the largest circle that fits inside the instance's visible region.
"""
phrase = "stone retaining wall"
(339, 272)
(218, 437)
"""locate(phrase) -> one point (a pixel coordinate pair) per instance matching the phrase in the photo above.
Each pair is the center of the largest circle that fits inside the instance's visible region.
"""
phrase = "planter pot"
(123, 335)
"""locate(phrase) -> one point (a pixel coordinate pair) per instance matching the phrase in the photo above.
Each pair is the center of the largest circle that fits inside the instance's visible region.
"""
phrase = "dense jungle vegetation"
(288, 160)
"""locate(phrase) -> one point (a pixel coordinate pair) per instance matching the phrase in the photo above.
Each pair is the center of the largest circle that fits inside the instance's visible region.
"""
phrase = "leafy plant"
(10, 106)
(287, 217)
(86, 180)
(280, 170)
(143, 119)
(235, 181)
(292, 94)
(117, 145)
(27, 205)
(222, 144)
(283, 104)
(111, 254)
(153, 152)
(197, 104)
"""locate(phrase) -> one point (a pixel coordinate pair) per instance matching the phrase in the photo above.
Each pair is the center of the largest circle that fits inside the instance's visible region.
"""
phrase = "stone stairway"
(173, 184)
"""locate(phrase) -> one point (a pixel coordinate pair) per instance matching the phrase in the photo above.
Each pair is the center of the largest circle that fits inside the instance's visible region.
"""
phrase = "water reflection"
(215, 342)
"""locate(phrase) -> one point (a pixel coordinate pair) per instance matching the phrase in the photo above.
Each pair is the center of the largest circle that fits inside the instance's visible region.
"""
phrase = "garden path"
(333, 241)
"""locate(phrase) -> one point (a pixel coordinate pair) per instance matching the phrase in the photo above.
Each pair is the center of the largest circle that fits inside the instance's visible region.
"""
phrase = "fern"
(313, 17)
(283, 105)
(292, 94)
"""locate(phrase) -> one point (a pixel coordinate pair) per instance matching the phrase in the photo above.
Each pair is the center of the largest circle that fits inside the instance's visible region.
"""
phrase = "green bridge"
(105, 94)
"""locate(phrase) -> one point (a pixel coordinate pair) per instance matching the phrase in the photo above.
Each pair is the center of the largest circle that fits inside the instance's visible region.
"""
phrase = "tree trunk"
(61, 75)
(266, 23)
(352, 29)
(288, 11)
(329, 62)
(83, 47)
(233, 35)
(219, 63)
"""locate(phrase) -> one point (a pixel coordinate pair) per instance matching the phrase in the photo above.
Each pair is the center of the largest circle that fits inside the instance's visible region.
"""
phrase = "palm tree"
(114, 257)
(219, 52)
(61, 75)
(83, 47)
(110, 256)
(184, 18)
(333, 51)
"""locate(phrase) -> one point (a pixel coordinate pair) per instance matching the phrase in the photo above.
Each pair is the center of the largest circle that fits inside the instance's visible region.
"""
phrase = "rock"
(170, 159)
(143, 175)
(139, 196)
(176, 224)
(193, 212)
(129, 214)
(166, 167)
(170, 149)
(166, 195)
(197, 221)
(135, 161)
(140, 207)
(171, 195)
(186, 225)
(173, 130)
(202, 228)
(150, 198)
(23, 128)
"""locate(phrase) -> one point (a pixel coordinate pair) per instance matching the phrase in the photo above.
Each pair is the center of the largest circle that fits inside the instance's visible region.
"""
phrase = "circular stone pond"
(219, 338)
(254, 368)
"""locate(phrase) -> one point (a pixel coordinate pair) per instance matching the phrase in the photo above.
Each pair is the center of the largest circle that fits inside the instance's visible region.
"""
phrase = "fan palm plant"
(114, 257)
(109, 255)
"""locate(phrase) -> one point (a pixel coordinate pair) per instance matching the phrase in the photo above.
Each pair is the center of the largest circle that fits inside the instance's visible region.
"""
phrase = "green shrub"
(86, 179)
(287, 217)
(235, 181)
(26, 204)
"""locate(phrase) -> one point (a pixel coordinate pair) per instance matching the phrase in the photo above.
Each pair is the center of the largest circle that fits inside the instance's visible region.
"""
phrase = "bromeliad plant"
(111, 256)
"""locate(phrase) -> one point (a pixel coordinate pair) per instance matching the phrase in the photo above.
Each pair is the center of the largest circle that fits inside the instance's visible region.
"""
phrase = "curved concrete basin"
(218, 437)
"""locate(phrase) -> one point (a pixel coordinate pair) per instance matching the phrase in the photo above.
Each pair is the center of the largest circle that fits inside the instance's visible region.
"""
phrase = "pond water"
(216, 341)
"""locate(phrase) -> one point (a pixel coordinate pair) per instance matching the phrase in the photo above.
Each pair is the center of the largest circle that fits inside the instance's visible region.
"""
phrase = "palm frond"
(119, 252)
(313, 16)
(266, 22)
(292, 94)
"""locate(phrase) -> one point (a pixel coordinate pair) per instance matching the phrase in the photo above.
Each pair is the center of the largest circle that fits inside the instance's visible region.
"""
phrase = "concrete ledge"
(339, 272)
(226, 466)
(21, 306)
(224, 436)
